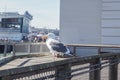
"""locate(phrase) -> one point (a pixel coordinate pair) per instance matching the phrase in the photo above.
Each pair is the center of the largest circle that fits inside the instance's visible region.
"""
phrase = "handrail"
(98, 46)
(72, 61)
(94, 45)
(64, 66)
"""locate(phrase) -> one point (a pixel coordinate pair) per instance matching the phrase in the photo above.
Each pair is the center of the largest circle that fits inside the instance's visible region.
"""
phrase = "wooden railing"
(26, 48)
(68, 69)
(99, 47)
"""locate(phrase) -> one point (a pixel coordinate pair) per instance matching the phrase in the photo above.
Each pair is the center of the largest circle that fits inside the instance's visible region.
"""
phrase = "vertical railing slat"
(63, 72)
(113, 69)
(14, 52)
(95, 74)
(5, 50)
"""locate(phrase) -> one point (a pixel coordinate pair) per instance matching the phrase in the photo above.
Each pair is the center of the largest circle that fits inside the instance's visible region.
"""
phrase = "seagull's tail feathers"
(68, 51)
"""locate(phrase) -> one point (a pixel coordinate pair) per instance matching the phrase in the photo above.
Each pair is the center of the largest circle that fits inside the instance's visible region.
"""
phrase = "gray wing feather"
(59, 47)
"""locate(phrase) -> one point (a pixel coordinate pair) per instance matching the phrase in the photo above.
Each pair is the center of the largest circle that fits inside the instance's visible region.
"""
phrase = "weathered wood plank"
(95, 74)
(113, 69)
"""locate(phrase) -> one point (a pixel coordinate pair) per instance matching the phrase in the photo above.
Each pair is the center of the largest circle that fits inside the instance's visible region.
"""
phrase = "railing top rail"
(94, 45)
(8, 43)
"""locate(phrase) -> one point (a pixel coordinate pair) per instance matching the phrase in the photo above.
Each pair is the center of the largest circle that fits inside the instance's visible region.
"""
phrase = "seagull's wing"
(59, 47)
(55, 45)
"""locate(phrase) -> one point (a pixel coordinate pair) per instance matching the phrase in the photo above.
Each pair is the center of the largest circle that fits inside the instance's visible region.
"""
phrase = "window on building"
(15, 23)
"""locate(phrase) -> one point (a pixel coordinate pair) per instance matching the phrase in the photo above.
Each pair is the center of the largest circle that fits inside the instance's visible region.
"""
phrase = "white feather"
(51, 40)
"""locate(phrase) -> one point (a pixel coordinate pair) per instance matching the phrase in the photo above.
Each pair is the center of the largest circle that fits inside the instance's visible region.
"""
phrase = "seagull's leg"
(54, 54)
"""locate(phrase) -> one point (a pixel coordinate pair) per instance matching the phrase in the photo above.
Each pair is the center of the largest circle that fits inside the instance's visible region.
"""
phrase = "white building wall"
(80, 21)
(110, 22)
(88, 22)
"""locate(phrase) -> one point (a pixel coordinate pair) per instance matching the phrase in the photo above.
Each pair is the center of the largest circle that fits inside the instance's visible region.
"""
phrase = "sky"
(45, 12)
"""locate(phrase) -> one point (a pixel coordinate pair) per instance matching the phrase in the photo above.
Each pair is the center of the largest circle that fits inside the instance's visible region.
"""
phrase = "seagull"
(57, 48)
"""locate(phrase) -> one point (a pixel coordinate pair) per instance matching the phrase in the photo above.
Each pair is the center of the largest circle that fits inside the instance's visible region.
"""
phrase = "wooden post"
(99, 50)
(95, 74)
(13, 49)
(113, 69)
(29, 48)
(5, 49)
(5, 78)
(74, 50)
(41, 48)
(63, 72)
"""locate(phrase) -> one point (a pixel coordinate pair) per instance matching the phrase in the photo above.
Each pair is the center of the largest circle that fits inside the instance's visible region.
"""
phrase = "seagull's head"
(51, 35)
